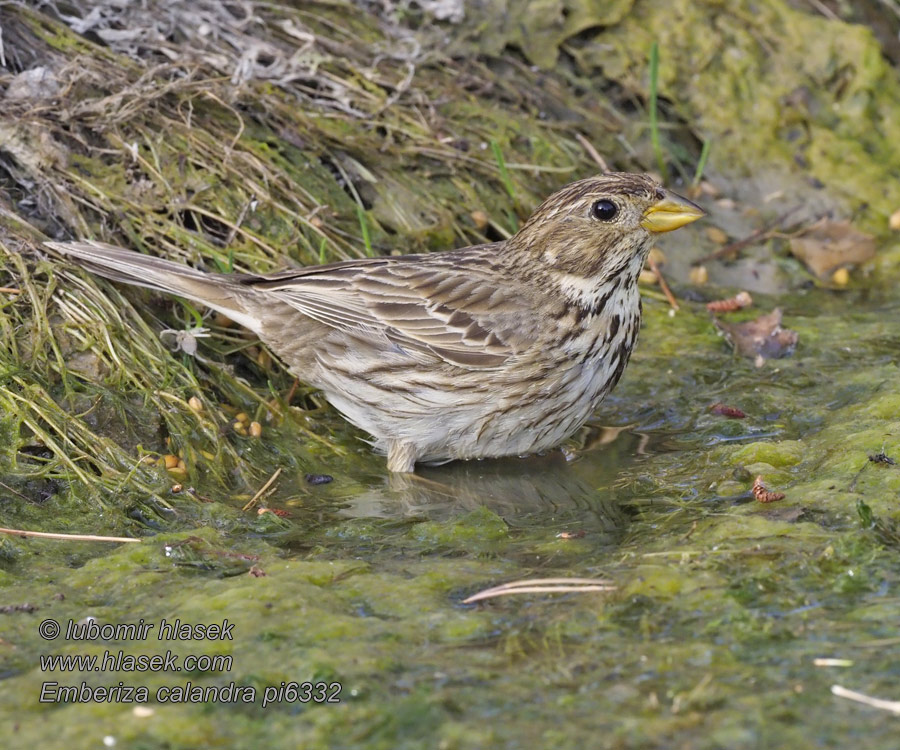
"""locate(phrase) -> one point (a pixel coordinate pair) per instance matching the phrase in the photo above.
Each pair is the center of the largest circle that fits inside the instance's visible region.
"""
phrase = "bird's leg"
(401, 457)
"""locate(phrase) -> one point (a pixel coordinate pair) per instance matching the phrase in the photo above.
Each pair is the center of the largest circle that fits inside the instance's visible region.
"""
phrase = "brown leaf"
(727, 411)
(763, 337)
(828, 245)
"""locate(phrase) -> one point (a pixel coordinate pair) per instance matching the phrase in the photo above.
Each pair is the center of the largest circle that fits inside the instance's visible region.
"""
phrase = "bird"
(498, 349)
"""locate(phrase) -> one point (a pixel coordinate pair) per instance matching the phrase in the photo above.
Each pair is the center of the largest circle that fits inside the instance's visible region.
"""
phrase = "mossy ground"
(350, 133)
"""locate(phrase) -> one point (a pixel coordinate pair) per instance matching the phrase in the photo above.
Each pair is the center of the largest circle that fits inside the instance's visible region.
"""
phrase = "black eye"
(604, 210)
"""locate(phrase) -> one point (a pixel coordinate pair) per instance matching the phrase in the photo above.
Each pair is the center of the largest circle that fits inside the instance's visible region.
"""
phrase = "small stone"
(894, 221)
(195, 403)
(319, 478)
(480, 219)
(841, 277)
(708, 189)
(699, 275)
(716, 235)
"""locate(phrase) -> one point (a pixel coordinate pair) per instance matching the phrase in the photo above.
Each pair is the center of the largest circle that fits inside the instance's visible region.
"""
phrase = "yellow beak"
(670, 213)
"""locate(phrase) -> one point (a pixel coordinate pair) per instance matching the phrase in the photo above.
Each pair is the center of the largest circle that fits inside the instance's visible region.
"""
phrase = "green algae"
(767, 97)
(722, 604)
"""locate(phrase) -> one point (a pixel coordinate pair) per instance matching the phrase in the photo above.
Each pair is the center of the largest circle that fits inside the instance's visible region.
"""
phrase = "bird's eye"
(604, 210)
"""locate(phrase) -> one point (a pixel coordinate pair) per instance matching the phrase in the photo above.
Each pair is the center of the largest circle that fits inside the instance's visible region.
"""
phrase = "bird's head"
(603, 226)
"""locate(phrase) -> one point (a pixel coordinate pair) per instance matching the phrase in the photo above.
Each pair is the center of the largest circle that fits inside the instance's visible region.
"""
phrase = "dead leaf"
(828, 245)
(727, 411)
(763, 337)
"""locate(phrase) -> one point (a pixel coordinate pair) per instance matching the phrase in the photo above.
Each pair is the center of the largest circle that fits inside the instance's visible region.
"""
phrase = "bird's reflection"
(525, 492)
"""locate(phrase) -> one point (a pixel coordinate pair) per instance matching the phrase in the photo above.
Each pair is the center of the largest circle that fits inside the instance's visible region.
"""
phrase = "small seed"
(255, 429)
(241, 417)
(316, 222)
(178, 471)
(480, 219)
(841, 277)
(176, 488)
(170, 461)
(699, 275)
(149, 460)
(240, 428)
(648, 277)
(716, 235)
(894, 221)
(195, 403)
(181, 465)
(223, 321)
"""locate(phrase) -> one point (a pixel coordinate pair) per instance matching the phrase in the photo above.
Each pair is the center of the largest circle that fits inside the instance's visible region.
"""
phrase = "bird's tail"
(221, 292)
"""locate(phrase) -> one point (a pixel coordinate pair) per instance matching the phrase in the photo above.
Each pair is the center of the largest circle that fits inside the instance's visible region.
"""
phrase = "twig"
(542, 585)
(738, 245)
(69, 537)
(15, 492)
(9, 290)
(252, 501)
(592, 152)
(842, 692)
(824, 10)
(662, 283)
(824, 661)
(237, 225)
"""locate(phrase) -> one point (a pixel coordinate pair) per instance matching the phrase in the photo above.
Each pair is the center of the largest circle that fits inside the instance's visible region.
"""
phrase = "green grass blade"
(364, 228)
(654, 112)
(701, 163)
(504, 172)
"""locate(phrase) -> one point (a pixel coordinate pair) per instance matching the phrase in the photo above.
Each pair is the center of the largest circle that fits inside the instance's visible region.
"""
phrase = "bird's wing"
(451, 311)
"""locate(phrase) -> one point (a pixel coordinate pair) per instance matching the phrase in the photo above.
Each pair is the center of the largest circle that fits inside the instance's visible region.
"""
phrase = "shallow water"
(722, 603)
